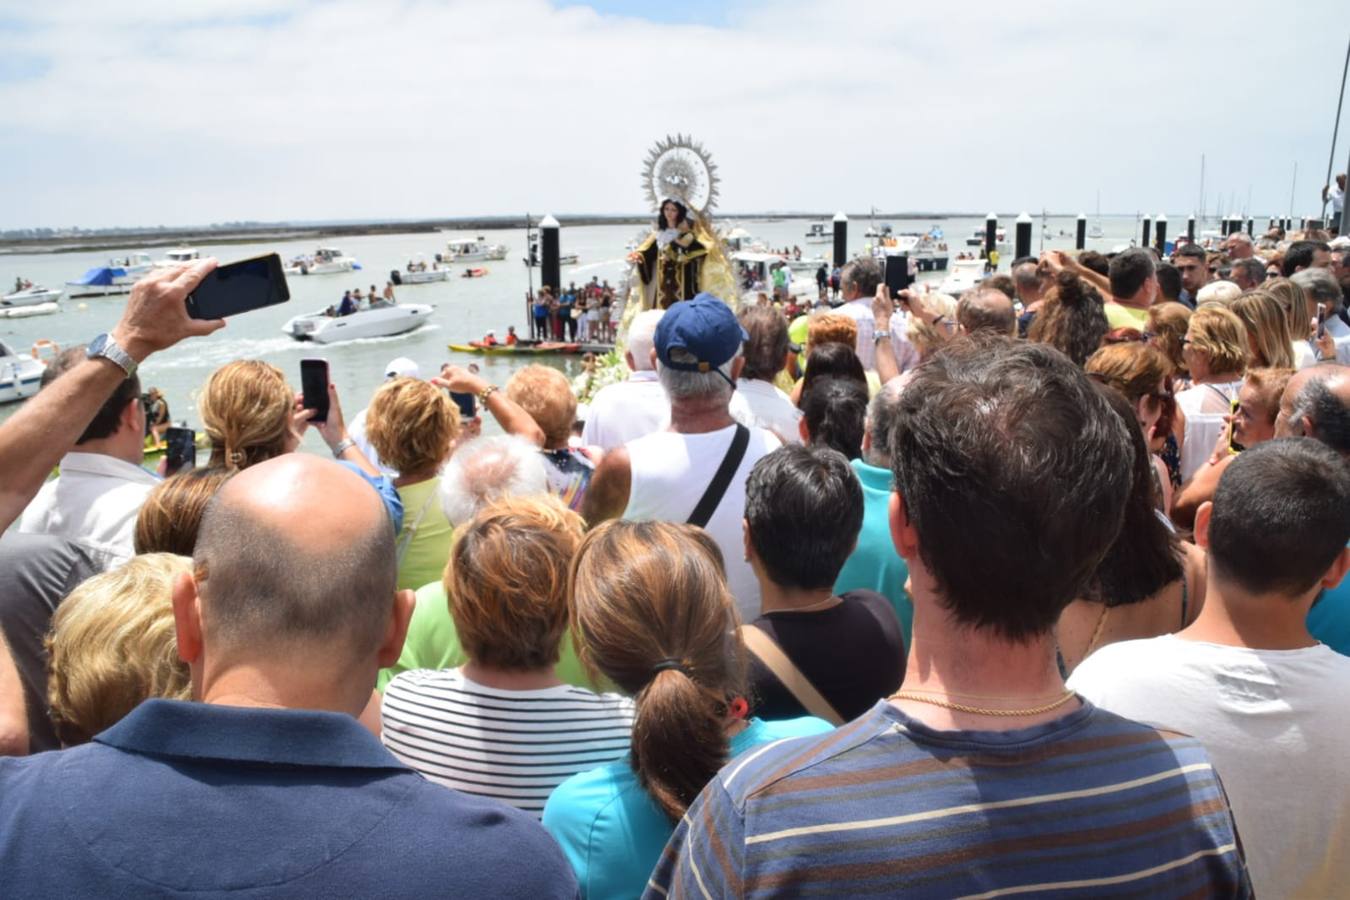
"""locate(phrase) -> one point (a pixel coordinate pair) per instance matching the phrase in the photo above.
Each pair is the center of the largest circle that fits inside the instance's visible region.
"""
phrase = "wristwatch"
(104, 347)
(879, 336)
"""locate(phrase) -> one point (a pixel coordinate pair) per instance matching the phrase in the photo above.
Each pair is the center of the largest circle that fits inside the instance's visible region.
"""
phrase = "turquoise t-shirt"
(1329, 619)
(613, 833)
(875, 565)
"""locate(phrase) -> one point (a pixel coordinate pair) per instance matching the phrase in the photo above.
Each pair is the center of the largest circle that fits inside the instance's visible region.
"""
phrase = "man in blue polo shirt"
(268, 787)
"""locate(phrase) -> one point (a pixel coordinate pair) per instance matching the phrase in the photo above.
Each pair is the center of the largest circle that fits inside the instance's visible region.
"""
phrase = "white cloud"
(270, 109)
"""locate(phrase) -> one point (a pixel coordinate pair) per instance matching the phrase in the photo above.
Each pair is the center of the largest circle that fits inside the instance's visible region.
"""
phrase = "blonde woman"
(172, 512)
(113, 644)
(250, 415)
(1299, 314)
(1268, 336)
(412, 426)
(1216, 353)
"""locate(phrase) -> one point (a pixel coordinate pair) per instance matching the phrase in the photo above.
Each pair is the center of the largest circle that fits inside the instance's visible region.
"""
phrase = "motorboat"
(820, 233)
(32, 295)
(964, 275)
(737, 239)
(927, 252)
(324, 261)
(807, 263)
(881, 231)
(754, 272)
(417, 271)
(20, 376)
(471, 249)
(1095, 231)
(178, 256)
(116, 277)
(1000, 239)
(564, 259)
(384, 320)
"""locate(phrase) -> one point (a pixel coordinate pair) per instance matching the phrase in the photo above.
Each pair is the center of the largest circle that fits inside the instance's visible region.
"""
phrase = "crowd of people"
(1036, 590)
(589, 313)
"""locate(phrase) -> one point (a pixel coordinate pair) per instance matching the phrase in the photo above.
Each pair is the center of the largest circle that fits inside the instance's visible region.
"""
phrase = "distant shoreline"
(255, 232)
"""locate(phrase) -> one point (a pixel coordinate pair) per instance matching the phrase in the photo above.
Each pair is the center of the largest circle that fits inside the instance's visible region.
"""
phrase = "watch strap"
(110, 350)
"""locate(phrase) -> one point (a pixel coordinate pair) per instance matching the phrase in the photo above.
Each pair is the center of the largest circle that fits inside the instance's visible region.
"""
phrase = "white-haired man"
(673, 475)
(636, 406)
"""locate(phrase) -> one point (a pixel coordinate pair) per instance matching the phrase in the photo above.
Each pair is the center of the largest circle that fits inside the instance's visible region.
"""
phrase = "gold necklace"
(918, 697)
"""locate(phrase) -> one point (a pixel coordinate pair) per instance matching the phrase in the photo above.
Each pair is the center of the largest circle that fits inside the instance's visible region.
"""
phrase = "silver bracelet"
(343, 446)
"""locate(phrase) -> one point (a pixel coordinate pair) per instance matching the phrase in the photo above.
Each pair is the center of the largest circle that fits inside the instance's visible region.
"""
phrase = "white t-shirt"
(1205, 406)
(94, 503)
(512, 746)
(860, 311)
(626, 411)
(758, 404)
(1275, 724)
(670, 473)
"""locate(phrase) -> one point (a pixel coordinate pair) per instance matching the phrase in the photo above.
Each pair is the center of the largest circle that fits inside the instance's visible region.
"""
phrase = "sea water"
(464, 308)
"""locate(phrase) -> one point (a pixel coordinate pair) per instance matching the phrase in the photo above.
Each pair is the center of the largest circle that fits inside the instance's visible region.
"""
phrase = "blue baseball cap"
(703, 327)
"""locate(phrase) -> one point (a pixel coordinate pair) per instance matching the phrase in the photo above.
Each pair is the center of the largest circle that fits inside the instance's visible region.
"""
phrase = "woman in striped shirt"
(503, 725)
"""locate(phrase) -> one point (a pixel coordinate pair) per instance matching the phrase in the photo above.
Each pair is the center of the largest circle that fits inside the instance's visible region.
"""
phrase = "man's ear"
(187, 618)
(803, 430)
(903, 535)
(391, 647)
(1201, 529)
(130, 415)
(737, 366)
(745, 537)
(1338, 568)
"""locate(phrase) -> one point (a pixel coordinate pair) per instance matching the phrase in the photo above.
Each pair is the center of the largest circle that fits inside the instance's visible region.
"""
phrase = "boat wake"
(211, 354)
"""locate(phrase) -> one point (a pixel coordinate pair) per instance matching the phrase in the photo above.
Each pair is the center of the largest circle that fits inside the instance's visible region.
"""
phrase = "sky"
(182, 112)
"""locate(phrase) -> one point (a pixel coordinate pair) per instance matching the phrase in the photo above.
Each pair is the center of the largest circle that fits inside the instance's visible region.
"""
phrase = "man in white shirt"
(666, 475)
(1322, 289)
(1246, 678)
(95, 500)
(858, 283)
(757, 402)
(637, 406)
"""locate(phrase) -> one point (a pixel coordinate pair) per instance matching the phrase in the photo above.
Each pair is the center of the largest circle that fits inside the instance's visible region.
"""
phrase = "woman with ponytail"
(250, 415)
(651, 611)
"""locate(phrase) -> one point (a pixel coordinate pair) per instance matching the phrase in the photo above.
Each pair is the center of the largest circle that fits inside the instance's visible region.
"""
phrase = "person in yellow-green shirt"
(1134, 284)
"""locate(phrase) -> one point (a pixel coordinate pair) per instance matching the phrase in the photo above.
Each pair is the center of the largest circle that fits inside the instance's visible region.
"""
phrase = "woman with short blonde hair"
(1267, 329)
(1216, 353)
(546, 395)
(412, 426)
(112, 644)
(248, 411)
(503, 725)
(1166, 330)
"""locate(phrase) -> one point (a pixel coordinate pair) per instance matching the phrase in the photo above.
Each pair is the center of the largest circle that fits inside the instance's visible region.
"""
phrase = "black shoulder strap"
(707, 505)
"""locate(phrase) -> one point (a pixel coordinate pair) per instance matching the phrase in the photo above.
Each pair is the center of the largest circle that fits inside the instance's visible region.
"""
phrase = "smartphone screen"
(181, 453)
(314, 384)
(238, 287)
(1321, 320)
(897, 274)
(467, 403)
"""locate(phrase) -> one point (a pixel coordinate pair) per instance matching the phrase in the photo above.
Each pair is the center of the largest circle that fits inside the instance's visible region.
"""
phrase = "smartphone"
(182, 449)
(1234, 448)
(1321, 320)
(239, 287)
(314, 384)
(897, 274)
(467, 403)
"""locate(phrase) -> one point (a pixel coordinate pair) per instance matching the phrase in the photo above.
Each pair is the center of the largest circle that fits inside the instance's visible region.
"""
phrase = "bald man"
(268, 786)
(988, 310)
(1316, 404)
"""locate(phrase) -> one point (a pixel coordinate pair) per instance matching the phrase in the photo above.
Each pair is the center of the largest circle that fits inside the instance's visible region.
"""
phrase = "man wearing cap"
(399, 367)
(671, 475)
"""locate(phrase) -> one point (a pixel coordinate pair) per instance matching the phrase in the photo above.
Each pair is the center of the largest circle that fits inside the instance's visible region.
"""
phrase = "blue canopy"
(101, 275)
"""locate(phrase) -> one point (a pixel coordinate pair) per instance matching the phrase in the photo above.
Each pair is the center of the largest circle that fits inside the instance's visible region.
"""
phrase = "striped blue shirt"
(1087, 805)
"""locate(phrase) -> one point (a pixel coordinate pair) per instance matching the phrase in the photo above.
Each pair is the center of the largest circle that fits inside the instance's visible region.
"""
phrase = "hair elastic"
(669, 663)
